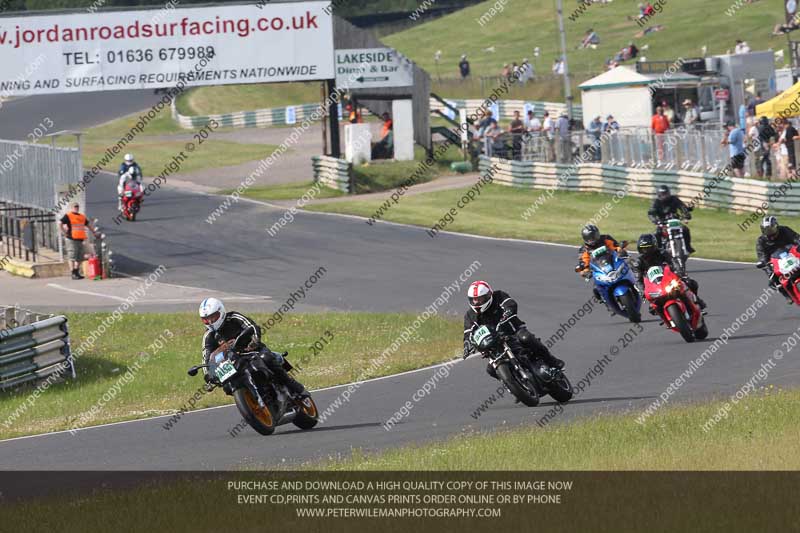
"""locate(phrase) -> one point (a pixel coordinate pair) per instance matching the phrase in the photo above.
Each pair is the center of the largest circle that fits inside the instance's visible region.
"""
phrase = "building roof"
(625, 76)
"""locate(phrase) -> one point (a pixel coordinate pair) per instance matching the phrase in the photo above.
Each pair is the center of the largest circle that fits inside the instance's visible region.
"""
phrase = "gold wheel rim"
(262, 414)
(309, 407)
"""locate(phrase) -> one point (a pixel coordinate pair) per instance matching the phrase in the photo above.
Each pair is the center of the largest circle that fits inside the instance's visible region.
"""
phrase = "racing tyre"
(307, 418)
(260, 418)
(562, 389)
(629, 303)
(522, 393)
(679, 320)
(701, 332)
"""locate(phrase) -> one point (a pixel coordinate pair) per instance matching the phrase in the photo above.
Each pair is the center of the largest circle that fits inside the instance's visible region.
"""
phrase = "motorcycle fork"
(253, 388)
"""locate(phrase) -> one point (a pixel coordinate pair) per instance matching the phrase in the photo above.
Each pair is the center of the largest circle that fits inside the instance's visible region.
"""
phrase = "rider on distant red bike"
(774, 237)
(128, 170)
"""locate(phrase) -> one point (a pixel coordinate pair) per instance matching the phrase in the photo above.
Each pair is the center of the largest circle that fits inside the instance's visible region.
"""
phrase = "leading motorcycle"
(526, 379)
(673, 243)
(263, 402)
(615, 283)
(784, 266)
(675, 303)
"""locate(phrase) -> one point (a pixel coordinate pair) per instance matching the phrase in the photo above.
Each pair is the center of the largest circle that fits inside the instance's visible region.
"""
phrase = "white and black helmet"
(479, 296)
(212, 313)
(129, 159)
(769, 226)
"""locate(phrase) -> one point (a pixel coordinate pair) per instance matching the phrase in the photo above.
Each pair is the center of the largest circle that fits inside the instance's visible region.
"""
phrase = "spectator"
(780, 149)
(690, 115)
(735, 142)
(659, 123)
(791, 135)
(532, 124)
(384, 147)
(506, 72)
(611, 125)
(516, 129)
(515, 70)
(555, 68)
(527, 70)
(488, 122)
(632, 51)
(74, 225)
(766, 135)
(463, 67)
(590, 39)
(743, 113)
(751, 107)
(548, 130)
(741, 47)
(595, 131)
(564, 144)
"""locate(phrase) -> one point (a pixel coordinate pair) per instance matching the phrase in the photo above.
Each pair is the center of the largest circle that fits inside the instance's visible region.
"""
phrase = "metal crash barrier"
(32, 346)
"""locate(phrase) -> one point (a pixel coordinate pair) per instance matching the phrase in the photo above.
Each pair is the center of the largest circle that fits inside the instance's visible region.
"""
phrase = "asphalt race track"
(389, 267)
(397, 268)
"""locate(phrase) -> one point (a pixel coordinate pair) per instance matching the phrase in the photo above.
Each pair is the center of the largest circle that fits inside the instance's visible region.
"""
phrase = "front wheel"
(628, 301)
(522, 393)
(701, 332)
(562, 389)
(675, 314)
(308, 416)
(259, 418)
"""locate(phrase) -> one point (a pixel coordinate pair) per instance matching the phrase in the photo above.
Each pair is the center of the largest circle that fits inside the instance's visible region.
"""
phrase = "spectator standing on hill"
(741, 47)
(463, 67)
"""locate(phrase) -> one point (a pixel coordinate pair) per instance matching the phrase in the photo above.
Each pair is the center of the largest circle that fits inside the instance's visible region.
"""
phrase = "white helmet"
(479, 295)
(212, 313)
(129, 158)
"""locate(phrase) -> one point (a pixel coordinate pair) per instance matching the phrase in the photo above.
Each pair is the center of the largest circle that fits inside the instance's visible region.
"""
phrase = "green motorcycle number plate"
(654, 274)
(225, 371)
(599, 252)
(674, 223)
(481, 333)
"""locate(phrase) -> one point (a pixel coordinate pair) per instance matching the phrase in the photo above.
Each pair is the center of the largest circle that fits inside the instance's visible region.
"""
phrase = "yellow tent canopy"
(785, 105)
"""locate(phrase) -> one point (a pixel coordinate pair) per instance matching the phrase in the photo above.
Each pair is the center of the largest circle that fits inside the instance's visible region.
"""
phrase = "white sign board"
(218, 45)
(366, 68)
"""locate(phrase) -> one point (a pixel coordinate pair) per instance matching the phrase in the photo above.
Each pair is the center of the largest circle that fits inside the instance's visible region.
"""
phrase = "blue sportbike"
(615, 283)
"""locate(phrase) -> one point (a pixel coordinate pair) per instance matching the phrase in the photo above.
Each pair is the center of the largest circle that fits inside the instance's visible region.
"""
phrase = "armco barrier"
(334, 173)
(276, 116)
(706, 190)
(32, 346)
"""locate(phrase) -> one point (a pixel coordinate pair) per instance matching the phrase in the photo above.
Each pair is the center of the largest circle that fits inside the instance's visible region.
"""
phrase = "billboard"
(159, 48)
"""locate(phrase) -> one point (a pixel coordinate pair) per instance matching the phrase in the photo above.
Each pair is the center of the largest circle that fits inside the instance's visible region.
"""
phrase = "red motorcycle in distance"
(675, 302)
(784, 265)
(132, 200)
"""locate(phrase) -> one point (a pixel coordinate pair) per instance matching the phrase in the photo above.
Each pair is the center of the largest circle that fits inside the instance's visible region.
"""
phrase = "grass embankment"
(498, 212)
(507, 36)
(154, 150)
(760, 433)
(161, 385)
(381, 175)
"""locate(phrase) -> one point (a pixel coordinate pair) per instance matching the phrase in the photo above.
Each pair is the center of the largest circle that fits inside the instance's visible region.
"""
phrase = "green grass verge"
(153, 152)
(498, 211)
(673, 439)
(161, 385)
(382, 175)
(287, 191)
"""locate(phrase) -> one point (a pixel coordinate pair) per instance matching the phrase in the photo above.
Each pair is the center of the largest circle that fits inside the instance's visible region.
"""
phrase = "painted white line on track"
(24, 437)
(90, 293)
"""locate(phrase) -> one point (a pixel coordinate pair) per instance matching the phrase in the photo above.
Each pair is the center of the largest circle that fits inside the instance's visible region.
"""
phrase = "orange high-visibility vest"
(77, 224)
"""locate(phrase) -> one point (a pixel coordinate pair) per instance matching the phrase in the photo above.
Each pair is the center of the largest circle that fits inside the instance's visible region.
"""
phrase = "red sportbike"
(675, 303)
(132, 200)
(784, 265)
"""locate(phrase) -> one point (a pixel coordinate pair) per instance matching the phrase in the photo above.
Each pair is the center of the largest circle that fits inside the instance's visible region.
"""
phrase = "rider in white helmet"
(242, 334)
(128, 170)
(493, 308)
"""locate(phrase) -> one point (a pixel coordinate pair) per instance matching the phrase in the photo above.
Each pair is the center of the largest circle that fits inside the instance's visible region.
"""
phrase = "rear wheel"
(307, 418)
(701, 332)
(628, 301)
(522, 393)
(259, 418)
(675, 314)
(562, 389)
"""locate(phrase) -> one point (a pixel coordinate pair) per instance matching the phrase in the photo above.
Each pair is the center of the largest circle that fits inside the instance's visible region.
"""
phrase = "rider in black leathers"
(502, 309)
(774, 237)
(243, 334)
(667, 206)
(650, 255)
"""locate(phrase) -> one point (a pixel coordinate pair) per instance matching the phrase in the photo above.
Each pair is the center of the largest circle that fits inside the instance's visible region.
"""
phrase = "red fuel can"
(93, 268)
